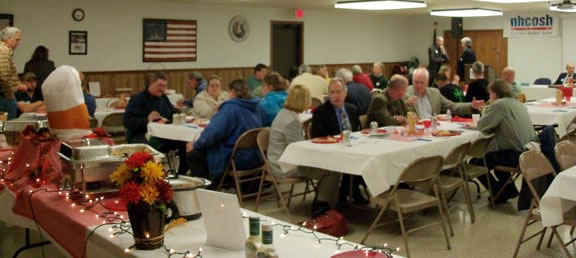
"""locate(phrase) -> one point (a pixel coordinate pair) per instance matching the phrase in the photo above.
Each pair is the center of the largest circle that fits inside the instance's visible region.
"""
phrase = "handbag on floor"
(332, 223)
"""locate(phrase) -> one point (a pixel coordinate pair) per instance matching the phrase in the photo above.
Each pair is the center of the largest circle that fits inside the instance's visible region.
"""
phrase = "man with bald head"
(388, 108)
(563, 77)
(429, 102)
(509, 75)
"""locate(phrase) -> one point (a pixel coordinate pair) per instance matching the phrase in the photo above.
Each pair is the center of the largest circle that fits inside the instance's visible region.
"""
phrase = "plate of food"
(325, 140)
(204, 124)
(442, 117)
(378, 132)
(446, 133)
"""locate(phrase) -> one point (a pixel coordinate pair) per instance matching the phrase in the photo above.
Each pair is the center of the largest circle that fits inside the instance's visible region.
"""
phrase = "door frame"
(272, 23)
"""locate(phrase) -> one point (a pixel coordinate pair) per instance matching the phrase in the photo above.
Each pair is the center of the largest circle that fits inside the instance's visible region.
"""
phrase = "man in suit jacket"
(388, 108)
(568, 74)
(429, 102)
(438, 56)
(329, 119)
(326, 120)
(468, 57)
(357, 94)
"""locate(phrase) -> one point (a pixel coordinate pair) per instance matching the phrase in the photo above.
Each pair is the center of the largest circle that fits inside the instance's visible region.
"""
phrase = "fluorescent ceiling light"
(512, 1)
(380, 4)
(566, 6)
(468, 12)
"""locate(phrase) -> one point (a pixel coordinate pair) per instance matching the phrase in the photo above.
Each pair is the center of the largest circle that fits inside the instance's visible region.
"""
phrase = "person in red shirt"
(362, 78)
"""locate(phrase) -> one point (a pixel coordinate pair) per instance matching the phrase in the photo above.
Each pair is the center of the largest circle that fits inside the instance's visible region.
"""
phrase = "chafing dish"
(12, 128)
(93, 161)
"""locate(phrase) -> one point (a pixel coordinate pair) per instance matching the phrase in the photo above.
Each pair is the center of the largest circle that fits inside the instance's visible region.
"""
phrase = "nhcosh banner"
(531, 25)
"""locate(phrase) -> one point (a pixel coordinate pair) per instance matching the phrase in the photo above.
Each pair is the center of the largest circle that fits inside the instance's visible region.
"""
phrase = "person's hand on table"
(400, 119)
(189, 146)
(411, 101)
(477, 104)
(154, 116)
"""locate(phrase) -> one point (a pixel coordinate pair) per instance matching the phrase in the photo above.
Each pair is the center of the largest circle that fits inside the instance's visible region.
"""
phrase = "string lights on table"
(338, 241)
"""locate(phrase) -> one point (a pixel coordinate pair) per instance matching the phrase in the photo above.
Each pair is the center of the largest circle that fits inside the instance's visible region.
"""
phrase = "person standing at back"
(9, 41)
(438, 56)
(41, 66)
(468, 57)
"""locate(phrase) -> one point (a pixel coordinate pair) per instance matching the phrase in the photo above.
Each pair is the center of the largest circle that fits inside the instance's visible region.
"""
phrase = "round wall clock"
(238, 28)
(78, 14)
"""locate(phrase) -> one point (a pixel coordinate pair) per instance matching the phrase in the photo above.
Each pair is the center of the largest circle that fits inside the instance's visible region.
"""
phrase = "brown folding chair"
(405, 201)
(263, 139)
(566, 154)
(113, 124)
(248, 140)
(534, 165)
(451, 184)
(307, 126)
(477, 150)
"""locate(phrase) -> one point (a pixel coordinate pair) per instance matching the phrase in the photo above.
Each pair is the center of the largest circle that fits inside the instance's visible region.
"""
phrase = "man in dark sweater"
(358, 95)
(449, 90)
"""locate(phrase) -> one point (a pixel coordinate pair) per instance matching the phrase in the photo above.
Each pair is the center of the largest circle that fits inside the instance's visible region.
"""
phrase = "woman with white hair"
(467, 57)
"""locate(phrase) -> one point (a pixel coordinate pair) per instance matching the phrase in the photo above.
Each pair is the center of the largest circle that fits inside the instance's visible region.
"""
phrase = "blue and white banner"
(531, 25)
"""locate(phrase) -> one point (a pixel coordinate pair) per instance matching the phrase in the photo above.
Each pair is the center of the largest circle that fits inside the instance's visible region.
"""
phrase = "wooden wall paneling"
(110, 80)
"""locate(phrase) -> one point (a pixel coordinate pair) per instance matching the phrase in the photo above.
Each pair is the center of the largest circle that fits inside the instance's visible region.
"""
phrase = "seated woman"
(478, 89)
(274, 90)
(209, 156)
(510, 122)
(287, 129)
(207, 102)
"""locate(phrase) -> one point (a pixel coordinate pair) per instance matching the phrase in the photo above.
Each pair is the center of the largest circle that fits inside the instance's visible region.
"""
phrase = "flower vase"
(147, 225)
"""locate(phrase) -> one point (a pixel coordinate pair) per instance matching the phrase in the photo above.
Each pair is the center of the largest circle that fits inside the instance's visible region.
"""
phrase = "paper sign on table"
(94, 88)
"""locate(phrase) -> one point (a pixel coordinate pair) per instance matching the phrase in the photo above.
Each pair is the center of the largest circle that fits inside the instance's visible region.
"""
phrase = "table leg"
(28, 245)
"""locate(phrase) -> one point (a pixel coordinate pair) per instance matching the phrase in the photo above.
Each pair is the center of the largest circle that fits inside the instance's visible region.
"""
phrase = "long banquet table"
(536, 92)
(545, 112)
(380, 161)
(559, 197)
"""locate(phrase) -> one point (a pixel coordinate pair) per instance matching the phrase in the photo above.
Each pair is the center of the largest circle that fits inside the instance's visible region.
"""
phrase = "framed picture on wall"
(6, 20)
(78, 43)
(169, 40)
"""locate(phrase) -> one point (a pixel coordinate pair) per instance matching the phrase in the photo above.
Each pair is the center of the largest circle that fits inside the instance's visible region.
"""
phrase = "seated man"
(508, 75)
(388, 108)
(29, 100)
(330, 118)
(563, 78)
(255, 82)
(357, 94)
(450, 91)
(317, 85)
(152, 105)
(510, 122)
(428, 102)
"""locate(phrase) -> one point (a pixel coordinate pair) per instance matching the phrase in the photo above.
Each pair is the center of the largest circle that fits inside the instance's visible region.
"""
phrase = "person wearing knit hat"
(28, 100)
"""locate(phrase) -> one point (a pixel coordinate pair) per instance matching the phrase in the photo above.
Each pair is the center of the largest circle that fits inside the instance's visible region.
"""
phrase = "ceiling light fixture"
(379, 4)
(467, 12)
(566, 6)
(512, 1)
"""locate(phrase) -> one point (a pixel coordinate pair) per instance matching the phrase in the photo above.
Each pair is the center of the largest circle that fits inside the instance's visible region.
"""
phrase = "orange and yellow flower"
(149, 193)
(121, 174)
(152, 172)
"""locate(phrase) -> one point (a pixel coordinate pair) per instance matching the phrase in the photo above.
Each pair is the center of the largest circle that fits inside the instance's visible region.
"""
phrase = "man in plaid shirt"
(9, 41)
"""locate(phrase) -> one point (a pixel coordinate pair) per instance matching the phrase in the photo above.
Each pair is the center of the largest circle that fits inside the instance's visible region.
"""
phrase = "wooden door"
(287, 46)
(490, 47)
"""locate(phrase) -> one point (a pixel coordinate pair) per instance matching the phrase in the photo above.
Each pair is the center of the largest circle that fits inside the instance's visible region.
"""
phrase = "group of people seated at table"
(237, 110)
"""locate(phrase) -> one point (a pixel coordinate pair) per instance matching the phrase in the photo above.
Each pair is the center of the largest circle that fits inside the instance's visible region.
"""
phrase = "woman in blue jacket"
(274, 90)
(210, 154)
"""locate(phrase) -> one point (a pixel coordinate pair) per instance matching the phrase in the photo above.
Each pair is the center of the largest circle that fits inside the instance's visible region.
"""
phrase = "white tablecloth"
(100, 114)
(192, 236)
(379, 161)
(561, 115)
(536, 92)
(560, 197)
(103, 102)
(187, 133)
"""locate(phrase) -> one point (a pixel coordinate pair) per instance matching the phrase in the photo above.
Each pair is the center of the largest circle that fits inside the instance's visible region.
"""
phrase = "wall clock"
(78, 14)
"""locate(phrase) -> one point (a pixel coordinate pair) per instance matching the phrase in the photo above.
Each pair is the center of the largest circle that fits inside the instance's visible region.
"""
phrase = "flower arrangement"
(141, 179)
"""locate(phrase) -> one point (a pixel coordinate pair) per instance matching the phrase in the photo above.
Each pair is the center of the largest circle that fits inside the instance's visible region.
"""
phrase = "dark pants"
(357, 181)
(508, 158)
(197, 164)
(165, 146)
(9, 106)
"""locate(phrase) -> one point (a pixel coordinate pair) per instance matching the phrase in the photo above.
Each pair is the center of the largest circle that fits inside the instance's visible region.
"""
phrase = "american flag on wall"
(169, 40)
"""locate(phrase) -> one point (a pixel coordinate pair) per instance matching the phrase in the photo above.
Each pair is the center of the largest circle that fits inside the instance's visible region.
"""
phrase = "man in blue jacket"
(210, 154)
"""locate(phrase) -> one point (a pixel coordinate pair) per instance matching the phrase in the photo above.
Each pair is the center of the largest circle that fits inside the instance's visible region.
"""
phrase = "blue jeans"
(9, 105)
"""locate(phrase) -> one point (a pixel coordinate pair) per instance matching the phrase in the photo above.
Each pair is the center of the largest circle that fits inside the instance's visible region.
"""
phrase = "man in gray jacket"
(429, 102)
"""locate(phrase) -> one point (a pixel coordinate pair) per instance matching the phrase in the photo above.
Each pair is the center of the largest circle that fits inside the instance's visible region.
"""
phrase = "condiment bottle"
(267, 250)
(253, 242)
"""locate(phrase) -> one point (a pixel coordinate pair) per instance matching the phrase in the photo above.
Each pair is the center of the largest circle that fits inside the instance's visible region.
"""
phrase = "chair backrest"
(456, 156)
(543, 81)
(113, 103)
(316, 102)
(363, 121)
(421, 170)
(565, 154)
(479, 147)
(247, 140)
(114, 123)
(307, 129)
(534, 165)
(262, 141)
